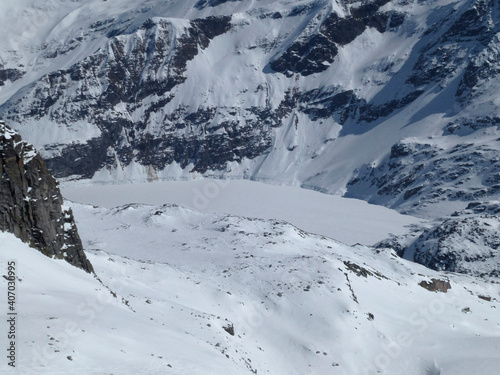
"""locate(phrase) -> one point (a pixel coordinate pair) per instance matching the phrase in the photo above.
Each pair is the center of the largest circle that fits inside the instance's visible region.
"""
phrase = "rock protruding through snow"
(31, 203)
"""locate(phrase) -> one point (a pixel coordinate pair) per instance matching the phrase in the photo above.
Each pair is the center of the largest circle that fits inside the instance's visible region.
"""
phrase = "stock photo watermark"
(202, 196)
(11, 314)
(418, 322)
(210, 191)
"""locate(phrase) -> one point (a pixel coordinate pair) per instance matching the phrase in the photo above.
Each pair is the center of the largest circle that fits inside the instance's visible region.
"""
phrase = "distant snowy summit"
(31, 205)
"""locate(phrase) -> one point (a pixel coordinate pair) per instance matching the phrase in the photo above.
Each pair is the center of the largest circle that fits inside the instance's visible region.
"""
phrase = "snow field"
(299, 303)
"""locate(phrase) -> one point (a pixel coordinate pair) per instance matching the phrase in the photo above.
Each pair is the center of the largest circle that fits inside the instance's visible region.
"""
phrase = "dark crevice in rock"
(202, 4)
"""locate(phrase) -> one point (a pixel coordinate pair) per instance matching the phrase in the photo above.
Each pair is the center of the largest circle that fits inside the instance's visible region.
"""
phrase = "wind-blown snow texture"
(394, 102)
(191, 293)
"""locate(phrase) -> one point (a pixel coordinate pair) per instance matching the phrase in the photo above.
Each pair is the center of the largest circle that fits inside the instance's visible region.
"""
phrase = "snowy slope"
(299, 303)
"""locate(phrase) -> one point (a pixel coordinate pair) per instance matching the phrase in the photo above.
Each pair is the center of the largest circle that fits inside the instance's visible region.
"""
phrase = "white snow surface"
(296, 305)
(347, 220)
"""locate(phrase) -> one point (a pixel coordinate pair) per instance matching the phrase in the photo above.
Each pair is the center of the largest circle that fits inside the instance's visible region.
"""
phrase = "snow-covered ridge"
(467, 242)
(26, 151)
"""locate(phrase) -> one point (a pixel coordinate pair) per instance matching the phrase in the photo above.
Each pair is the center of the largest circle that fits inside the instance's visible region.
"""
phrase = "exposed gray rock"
(31, 203)
(201, 4)
(466, 245)
(485, 208)
(469, 33)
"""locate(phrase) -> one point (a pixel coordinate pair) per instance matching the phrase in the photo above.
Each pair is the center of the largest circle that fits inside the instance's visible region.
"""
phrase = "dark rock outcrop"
(31, 205)
(465, 245)
(211, 3)
(417, 174)
(146, 63)
(436, 285)
(488, 208)
(9, 75)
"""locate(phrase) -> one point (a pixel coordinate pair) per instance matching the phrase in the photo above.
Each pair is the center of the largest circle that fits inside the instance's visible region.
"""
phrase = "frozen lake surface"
(347, 220)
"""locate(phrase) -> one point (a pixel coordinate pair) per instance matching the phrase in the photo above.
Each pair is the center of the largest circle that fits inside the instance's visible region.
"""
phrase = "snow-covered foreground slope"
(298, 303)
(68, 322)
(347, 220)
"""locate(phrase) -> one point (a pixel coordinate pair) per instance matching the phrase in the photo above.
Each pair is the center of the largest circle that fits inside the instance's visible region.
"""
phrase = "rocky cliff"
(31, 205)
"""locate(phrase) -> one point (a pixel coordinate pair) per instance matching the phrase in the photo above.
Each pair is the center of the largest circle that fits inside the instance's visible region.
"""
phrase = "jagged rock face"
(9, 75)
(314, 52)
(201, 4)
(295, 92)
(148, 63)
(469, 34)
(490, 208)
(31, 204)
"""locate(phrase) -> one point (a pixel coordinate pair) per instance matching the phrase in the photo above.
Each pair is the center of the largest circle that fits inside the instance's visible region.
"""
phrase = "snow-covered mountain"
(466, 242)
(394, 102)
